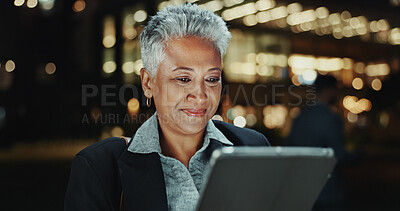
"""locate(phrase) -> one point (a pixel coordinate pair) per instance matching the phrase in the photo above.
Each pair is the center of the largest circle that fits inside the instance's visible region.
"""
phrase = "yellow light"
(19, 3)
(263, 17)
(357, 83)
(250, 20)
(382, 69)
(138, 66)
(274, 116)
(302, 17)
(345, 15)
(251, 57)
(129, 20)
(217, 117)
(133, 106)
(230, 3)
(264, 70)
(31, 3)
(262, 5)
(373, 26)
(383, 25)
(347, 31)
(365, 104)
(301, 61)
(130, 33)
(249, 8)
(354, 22)
(359, 67)
(239, 11)
(46, 4)
(347, 63)
(239, 121)
(163, 5)
(140, 15)
(297, 71)
(279, 12)
(329, 64)
(281, 23)
(281, 60)
(79, 6)
(50, 68)
(384, 118)
(117, 131)
(307, 26)
(322, 12)
(294, 8)
(213, 5)
(334, 19)
(128, 67)
(352, 117)
(251, 120)
(109, 67)
(295, 80)
(337, 33)
(394, 36)
(9, 66)
(249, 68)
(356, 106)
(109, 38)
(109, 41)
(376, 84)
(361, 30)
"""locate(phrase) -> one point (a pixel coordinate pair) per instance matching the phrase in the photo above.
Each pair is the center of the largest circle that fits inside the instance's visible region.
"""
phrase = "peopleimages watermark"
(260, 95)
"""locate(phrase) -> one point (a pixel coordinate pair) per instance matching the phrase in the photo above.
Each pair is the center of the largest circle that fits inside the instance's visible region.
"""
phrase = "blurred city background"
(69, 76)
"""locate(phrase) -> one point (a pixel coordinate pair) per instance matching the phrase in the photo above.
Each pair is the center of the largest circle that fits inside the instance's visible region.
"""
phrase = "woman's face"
(187, 86)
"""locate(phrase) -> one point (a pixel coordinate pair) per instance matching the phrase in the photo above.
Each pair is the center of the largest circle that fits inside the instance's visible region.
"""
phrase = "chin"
(192, 125)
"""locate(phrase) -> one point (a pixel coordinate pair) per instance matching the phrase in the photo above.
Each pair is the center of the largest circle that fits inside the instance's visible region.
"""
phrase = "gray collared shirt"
(182, 184)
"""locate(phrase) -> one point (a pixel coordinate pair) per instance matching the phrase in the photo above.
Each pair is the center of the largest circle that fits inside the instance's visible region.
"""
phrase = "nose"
(197, 94)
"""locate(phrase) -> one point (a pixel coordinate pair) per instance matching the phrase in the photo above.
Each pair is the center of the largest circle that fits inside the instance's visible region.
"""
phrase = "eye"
(213, 80)
(183, 80)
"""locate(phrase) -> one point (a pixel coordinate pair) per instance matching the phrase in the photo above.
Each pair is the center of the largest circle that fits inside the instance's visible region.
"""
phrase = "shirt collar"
(146, 139)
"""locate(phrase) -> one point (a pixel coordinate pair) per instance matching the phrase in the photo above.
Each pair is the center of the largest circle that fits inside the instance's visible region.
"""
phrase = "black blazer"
(101, 171)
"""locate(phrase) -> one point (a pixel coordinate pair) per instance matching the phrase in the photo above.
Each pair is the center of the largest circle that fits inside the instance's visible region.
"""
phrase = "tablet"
(265, 178)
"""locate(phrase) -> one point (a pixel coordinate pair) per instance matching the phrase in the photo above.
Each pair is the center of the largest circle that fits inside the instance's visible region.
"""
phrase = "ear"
(147, 82)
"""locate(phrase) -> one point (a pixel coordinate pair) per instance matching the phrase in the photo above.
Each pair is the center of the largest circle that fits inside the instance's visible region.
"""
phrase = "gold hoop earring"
(148, 102)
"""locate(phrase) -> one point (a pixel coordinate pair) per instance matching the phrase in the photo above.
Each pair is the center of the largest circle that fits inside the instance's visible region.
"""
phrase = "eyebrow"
(190, 69)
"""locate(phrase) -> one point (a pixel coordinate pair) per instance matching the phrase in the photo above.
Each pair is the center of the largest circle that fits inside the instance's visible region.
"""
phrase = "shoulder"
(109, 148)
(241, 136)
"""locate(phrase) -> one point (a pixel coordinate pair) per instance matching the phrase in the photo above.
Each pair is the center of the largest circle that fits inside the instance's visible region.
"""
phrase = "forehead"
(190, 42)
(191, 51)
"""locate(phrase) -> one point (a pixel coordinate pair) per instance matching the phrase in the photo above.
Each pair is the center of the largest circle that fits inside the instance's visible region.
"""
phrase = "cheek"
(171, 95)
(215, 95)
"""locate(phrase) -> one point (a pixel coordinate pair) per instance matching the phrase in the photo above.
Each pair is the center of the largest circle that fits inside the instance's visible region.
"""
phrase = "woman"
(163, 166)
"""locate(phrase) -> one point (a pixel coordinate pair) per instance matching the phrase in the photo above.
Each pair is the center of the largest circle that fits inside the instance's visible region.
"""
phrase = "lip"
(195, 112)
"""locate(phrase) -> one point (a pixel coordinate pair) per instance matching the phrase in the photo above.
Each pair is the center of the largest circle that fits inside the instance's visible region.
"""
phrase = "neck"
(179, 146)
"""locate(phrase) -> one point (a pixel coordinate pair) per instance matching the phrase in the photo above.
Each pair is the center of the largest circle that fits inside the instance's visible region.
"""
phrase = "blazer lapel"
(142, 181)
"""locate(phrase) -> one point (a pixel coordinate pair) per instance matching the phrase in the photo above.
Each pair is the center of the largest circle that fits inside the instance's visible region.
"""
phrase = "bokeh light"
(79, 6)
(50, 68)
(133, 106)
(357, 83)
(19, 3)
(10, 66)
(239, 121)
(376, 84)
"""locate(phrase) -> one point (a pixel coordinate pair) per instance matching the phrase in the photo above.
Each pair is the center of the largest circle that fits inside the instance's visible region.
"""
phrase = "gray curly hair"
(180, 21)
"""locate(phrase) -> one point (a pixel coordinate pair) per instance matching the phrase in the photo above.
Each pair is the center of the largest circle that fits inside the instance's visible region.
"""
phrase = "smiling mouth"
(195, 112)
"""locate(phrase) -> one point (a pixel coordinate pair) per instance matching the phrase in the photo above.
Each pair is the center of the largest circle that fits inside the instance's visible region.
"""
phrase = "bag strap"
(122, 204)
